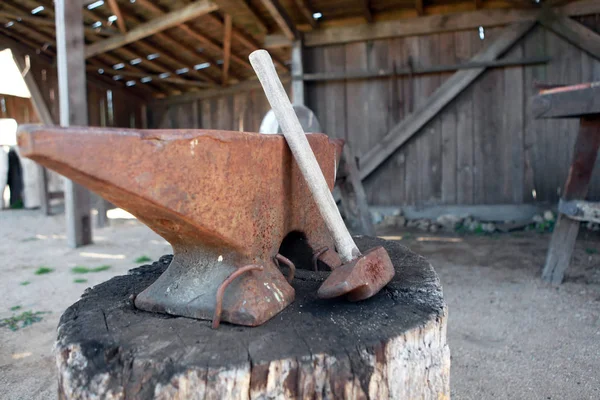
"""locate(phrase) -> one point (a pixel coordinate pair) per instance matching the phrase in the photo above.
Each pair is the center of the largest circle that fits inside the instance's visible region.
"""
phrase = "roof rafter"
(282, 18)
(167, 55)
(307, 13)
(166, 21)
(114, 7)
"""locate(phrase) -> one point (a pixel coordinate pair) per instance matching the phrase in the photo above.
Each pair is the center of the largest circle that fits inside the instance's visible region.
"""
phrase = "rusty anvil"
(223, 200)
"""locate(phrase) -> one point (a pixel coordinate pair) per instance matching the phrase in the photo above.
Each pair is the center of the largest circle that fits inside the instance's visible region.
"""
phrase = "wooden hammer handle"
(292, 130)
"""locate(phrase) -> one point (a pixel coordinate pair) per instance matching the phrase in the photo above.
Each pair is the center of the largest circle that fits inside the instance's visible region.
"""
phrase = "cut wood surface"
(390, 346)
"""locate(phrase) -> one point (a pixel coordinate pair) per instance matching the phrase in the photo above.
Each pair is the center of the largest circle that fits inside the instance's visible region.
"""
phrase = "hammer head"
(360, 278)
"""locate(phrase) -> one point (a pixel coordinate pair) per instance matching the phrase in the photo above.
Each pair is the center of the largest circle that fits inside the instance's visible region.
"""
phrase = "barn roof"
(167, 47)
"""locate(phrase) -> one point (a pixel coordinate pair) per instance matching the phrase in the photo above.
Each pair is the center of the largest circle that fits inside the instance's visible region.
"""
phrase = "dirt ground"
(511, 336)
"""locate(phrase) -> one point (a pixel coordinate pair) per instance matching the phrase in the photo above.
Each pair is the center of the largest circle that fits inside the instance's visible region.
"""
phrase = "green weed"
(22, 320)
(79, 280)
(142, 259)
(43, 271)
(24, 283)
(79, 269)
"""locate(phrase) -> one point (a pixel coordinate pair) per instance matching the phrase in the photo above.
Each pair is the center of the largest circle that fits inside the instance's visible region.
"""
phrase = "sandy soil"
(511, 336)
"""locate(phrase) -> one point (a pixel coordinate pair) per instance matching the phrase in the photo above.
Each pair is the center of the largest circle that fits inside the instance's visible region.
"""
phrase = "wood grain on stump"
(390, 346)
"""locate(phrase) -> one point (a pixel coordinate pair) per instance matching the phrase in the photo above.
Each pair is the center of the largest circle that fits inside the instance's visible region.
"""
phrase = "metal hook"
(221, 290)
(278, 257)
(317, 255)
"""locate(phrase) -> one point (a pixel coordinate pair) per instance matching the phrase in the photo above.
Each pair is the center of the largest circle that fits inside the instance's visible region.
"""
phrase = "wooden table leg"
(576, 188)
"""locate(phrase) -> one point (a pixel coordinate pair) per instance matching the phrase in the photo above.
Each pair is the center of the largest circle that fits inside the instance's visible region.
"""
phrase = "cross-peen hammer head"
(360, 278)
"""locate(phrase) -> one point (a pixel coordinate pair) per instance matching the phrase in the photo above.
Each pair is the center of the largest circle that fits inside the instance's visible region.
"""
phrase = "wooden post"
(576, 188)
(73, 109)
(297, 70)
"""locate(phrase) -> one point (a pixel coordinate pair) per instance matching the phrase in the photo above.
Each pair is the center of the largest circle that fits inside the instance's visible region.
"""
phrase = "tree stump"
(390, 346)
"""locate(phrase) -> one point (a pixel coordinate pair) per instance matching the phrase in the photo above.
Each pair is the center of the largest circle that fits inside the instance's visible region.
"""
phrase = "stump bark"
(390, 346)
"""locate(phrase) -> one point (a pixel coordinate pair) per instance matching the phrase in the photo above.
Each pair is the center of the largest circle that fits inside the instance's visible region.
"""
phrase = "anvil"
(224, 200)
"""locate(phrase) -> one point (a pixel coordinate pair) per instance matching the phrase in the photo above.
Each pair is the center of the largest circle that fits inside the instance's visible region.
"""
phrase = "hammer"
(361, 275)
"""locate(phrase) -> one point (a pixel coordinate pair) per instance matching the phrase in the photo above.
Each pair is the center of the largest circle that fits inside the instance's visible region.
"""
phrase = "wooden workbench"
(576, 101)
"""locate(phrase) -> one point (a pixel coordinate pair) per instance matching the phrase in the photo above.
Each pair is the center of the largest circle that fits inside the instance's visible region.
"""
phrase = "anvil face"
(222, 199)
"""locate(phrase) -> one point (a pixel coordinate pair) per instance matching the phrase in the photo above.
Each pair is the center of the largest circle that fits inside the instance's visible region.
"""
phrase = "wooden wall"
(242, 111)
(483, 148)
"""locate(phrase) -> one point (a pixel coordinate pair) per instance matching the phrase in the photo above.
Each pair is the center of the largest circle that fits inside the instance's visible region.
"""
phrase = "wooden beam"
(154, 78)
(243, 15)
(170, 42)
(226, 49)
(567, 102)
(429, 24)
(367, 11)
(28, 18)
(478, 4)
(25, 46)
(169, 20)
(282, 18)
(244, 39)
(420, 7)
(574, 32)
(382, 73)
(250, 84)
(297, 70)
(211, 44)
(73, 109)
(307, 13)
(19, 13)
(114, 7)
(453, 86)
(277, 41)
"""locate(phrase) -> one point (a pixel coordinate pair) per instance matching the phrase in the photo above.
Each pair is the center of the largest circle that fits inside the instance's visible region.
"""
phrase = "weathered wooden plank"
(378, 98)
(332, 110)
(226, 49)
(357, 108)
(297, 70)
(513, 125)
(205, 114)
(576, 33)
(576, 187)
(411, 161)
(419, 70)
(464, 126)
(430, 24)
(429, 139)
(250, 84)
(448, 128)
(400, 104)
(73, 109)
(159, 24)
(580, 210)
(445, 93)
(534, 44)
